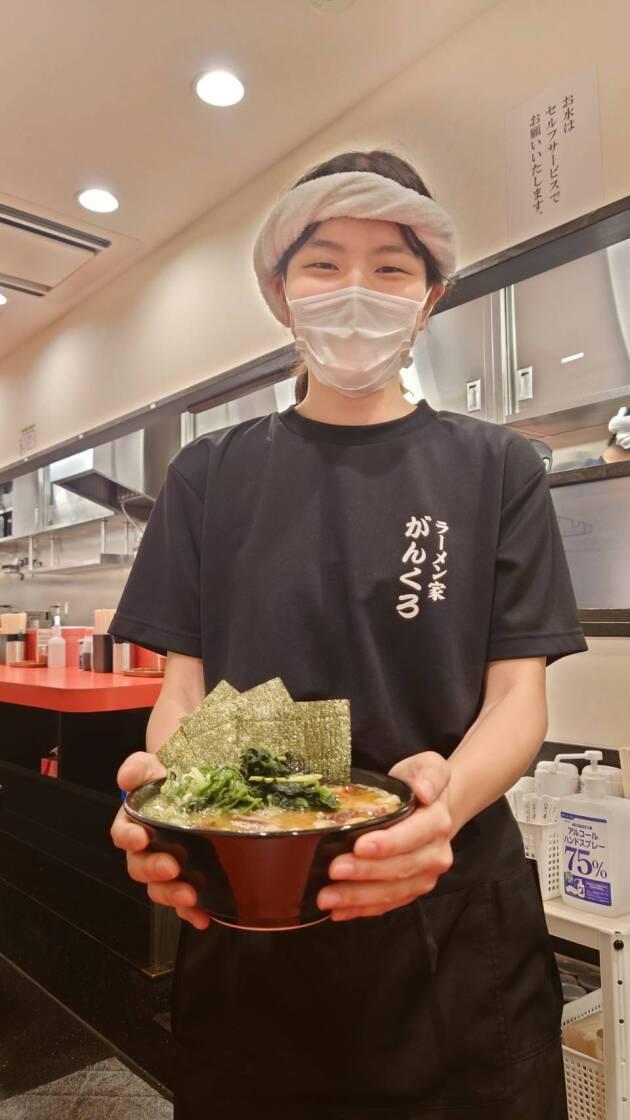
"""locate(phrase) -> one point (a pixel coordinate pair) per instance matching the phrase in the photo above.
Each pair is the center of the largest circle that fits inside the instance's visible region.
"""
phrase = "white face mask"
(354, 339)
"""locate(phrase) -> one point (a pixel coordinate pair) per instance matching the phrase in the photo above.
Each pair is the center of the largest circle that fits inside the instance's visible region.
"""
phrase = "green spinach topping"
(262, 780)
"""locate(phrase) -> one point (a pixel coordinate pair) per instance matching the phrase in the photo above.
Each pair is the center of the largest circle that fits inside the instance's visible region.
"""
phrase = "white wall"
(588, 695)
(192, 309)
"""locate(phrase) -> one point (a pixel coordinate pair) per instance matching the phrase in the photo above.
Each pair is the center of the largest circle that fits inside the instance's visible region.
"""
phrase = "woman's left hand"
(390, 868)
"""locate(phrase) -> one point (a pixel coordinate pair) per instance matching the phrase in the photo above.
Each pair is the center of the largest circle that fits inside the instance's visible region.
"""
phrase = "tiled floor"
(104, 1091)
(115, 1001)
(53, 1067)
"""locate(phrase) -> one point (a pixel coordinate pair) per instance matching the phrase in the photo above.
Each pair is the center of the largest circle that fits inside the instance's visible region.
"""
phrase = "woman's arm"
(507, 734)
(182, 691)
(388, 869)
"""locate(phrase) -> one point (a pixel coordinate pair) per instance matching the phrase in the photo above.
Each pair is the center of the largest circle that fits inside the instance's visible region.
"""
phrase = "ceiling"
(101, 94)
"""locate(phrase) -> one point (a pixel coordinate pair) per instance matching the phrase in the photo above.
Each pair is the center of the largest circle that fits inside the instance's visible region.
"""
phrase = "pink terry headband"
(347, 194)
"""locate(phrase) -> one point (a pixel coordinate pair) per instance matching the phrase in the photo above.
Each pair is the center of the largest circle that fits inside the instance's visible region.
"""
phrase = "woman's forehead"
(358, 232)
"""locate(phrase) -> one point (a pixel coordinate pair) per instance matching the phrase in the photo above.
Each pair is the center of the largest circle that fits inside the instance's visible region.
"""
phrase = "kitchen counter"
(75, 690)
(55, 844)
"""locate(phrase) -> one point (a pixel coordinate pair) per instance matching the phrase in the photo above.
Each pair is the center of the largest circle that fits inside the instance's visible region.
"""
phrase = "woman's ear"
(436, 293)
(280, 289)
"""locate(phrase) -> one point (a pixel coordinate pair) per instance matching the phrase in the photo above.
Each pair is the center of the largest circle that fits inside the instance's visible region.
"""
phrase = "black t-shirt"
(384, 563)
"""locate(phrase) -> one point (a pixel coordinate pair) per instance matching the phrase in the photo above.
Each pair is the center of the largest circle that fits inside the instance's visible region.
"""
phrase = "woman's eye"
(389, 268)
(321, 264)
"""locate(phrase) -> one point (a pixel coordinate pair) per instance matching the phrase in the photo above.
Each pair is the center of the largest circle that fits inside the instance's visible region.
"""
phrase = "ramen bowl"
(262, 880)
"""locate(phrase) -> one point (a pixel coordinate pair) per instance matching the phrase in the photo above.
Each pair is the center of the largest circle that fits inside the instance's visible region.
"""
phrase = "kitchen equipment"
(14, 648)
(41, 649)
(39, 618)
(85, 653)
(143, 672)
(102, 619)
(13, 623)
(102, 657)
(121, 655)
(131, 466)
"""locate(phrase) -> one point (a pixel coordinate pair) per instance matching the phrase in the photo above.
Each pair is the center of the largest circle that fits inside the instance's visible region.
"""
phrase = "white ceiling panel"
(102, 94)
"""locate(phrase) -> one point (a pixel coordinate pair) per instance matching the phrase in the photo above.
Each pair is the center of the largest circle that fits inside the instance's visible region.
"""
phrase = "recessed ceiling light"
(219, 87)
(572, 357)
(3, 299)
(103, 202)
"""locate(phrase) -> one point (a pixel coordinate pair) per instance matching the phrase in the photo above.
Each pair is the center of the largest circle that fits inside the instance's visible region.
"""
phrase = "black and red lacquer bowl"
(262, 880)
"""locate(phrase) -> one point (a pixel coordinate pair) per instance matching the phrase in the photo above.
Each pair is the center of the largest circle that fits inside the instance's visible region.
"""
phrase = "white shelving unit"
(611, 938)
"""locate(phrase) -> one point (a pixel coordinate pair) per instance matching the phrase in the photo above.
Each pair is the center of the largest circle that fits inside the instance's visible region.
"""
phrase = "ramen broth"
(357, 803)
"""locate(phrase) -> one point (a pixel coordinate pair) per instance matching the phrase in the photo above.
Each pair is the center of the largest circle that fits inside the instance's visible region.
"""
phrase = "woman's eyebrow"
(396, 248)
(324, 243)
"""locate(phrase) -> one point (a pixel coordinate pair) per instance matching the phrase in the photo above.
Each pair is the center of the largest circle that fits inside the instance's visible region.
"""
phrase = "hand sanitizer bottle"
(595, 827)
(56, 647)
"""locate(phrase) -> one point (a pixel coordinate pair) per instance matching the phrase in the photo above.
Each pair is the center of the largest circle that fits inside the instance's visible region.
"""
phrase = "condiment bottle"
(56, 647)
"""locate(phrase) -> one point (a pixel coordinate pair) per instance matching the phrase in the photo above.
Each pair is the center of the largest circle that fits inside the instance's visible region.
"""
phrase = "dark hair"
(381, 163)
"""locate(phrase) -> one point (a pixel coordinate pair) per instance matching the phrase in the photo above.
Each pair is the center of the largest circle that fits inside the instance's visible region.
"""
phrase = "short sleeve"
(159, 607)
(534, 611)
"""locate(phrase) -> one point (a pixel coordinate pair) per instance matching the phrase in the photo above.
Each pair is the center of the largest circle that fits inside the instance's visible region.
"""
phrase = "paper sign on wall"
(27, 439)
(554, 156)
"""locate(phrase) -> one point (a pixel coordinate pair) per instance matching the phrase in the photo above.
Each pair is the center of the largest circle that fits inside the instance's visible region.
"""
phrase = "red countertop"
(76, 690)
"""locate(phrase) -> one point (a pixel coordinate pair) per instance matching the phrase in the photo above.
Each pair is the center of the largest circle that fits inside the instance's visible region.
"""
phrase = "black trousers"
(448, 1007)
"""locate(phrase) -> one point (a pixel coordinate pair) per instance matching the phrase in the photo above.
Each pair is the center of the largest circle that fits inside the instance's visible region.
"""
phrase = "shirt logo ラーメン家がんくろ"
(408, 605)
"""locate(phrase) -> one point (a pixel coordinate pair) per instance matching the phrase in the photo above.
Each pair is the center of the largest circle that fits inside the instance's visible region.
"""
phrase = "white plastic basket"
(542, 843)
(584, 1076)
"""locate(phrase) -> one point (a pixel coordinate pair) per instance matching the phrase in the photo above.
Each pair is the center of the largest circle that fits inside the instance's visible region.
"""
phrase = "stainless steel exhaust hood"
(96, 475)
(131, 467)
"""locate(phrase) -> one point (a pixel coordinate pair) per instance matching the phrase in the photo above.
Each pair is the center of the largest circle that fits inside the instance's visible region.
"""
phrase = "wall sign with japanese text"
(554, 156)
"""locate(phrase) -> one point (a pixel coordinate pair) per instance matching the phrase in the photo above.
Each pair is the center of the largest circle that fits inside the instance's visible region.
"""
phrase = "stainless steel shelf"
(107, 560)
(105, 516)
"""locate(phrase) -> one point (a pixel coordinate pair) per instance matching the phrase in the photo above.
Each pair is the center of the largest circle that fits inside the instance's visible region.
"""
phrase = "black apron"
(447, 1007)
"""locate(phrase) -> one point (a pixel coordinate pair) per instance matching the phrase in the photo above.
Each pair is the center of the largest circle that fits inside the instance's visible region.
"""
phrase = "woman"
(360, 546)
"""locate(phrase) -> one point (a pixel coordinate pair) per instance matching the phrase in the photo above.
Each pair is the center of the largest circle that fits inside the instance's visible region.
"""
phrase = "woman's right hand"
(157, 869)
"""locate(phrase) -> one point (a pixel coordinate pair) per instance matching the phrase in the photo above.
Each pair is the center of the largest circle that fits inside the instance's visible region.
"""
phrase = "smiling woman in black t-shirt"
(362, 547)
